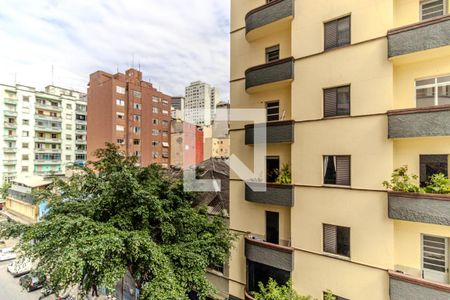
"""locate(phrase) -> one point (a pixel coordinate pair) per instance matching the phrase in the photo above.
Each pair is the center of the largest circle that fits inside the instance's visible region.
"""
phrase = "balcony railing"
(48, 140)
(276, 132)
(9, 150)
(38, 150)
(10, 125)
(276, 194)
(47, 162)
(10, 113)
(279, 73)
(47, 117)
(430, 34)
(418, 207)
(277, 256)
(10, 137)
(9, 162)
(402, 287)
(48, 128)
(278, 13)
(11, 101)
(419, 122)
(48, 107)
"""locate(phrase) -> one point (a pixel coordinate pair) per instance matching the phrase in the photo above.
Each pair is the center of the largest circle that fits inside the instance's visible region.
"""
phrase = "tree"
(274, 291)
(4, 190)
(122, 218)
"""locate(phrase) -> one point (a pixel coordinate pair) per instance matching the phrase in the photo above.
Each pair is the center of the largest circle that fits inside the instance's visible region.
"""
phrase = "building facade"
(186, 145)
(352, 91)
(131, 113)
(43, 131)
(178, 108)
(200, 103)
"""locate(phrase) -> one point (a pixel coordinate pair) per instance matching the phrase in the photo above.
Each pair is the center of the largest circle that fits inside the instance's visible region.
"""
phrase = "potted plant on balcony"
(284, 175)
(402, 182)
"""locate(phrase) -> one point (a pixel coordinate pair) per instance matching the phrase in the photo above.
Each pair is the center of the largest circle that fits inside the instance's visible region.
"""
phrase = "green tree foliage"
(118, 218)
(438, 184)
(4, 191)
(402, 182)
(274, 291)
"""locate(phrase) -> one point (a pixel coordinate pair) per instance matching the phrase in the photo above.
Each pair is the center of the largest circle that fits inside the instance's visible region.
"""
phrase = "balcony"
(44, 150)
(48, 140)
(276, 194)
(11, 101)
(47, 117)
(266, 19)
(419, 122)
(10, 113)
(10, 125)
(276, 132)
(47, 162)
(276, 256)
(48, 128)
(9, 150)
(10, 137)
(430, 34)
(403, 287)
(81, 142)
(422, 208)
(9, 162)
(277, 74)
(48, 107)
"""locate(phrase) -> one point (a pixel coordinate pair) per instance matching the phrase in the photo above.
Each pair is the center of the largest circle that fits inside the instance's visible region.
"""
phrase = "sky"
(174, 42)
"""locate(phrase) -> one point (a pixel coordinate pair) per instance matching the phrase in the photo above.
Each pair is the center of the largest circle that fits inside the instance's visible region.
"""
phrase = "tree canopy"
(118, 217)
(273, 291)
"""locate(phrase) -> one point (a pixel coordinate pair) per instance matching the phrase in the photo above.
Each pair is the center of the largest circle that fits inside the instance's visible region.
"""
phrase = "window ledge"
(337, 186)
(337, 256)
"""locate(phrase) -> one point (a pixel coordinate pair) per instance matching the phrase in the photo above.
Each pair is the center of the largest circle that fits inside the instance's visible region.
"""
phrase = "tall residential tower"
(129, 112)
(353, 90)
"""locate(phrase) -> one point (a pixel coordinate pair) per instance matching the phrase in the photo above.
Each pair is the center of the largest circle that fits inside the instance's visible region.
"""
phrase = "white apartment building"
(43, 131)
(200, 103)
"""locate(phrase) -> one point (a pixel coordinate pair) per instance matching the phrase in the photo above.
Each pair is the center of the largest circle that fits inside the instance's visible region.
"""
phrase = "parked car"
(32, 281)
(7, 254)
(20, 266)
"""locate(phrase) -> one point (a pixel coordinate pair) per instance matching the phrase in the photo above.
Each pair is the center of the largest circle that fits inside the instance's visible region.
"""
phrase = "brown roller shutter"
(343, 170)
(329, 102)
(329, 238)
(331, 33)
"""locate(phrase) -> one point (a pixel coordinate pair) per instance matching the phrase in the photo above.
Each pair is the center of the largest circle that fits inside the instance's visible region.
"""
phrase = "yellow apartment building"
(353, 90)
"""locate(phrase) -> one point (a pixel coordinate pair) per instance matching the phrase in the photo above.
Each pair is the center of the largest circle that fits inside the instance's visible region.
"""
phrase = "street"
(10, 288)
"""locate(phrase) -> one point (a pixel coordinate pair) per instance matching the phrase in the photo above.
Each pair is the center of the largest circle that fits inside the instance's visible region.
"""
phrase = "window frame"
(267, 110)
(424, 2)
(337, 254)
(434, 85)
(272, 50)
(336, 45)
(336, 89)
(324, 169)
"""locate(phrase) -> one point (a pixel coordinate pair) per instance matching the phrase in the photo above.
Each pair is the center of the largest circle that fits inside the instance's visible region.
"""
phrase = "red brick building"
(127, 111)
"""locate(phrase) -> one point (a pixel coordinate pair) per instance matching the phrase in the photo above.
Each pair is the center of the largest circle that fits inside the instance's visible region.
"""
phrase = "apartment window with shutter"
(336, 240)
(336, 101)
(431, 165)
(337, 33)
(273, 111)
(432, 8)
(336, 170)
(272, 53)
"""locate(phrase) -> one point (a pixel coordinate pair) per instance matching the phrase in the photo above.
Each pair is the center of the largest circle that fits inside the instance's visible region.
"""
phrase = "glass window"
(337, 33)
(336, 170)
(273, 111)
(336, 240)
(434, 91)
(431, 165)
(432, 8)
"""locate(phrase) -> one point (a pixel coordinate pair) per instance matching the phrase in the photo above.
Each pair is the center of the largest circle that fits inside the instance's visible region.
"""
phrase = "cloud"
(175, 42)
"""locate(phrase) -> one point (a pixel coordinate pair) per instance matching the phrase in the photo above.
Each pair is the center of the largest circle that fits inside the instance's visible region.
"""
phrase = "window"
(68, 137)
(25, 145)
(69, 126)
(336, 240)
(336, 170)
(155, 99)
(137, 142)
(120, 115)
(119, 128)
(120, 141)
(136, 129)
(25, 122)
(155, 132)
(120, 102)
(257, 272)
(120, 90)
(137, 106)
(336, 101)
(155, 154)
(137, 94)
(165, 133)
(25, 133)
(432, 8)
(431, 165)
(136, 117)
(165, 112)
(434, 91)
(435, 258)
(165, 123)
(26, 98)
(155, 121)
(155, 110)
(273, 111)
(68, 116)
(272, 167)
(272, 227)
(25, 157)
(337, 33)
(68, 157)
(272, 53)
(69, 106)
(24, 169)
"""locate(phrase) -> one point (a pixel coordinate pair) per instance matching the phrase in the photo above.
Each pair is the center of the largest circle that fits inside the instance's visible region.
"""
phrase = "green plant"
(284, 176)
(438, 184)
(274, 291)
(402, 182)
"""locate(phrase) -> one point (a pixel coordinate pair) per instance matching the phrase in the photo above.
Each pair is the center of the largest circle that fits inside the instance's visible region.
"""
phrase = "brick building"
(131, 113)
